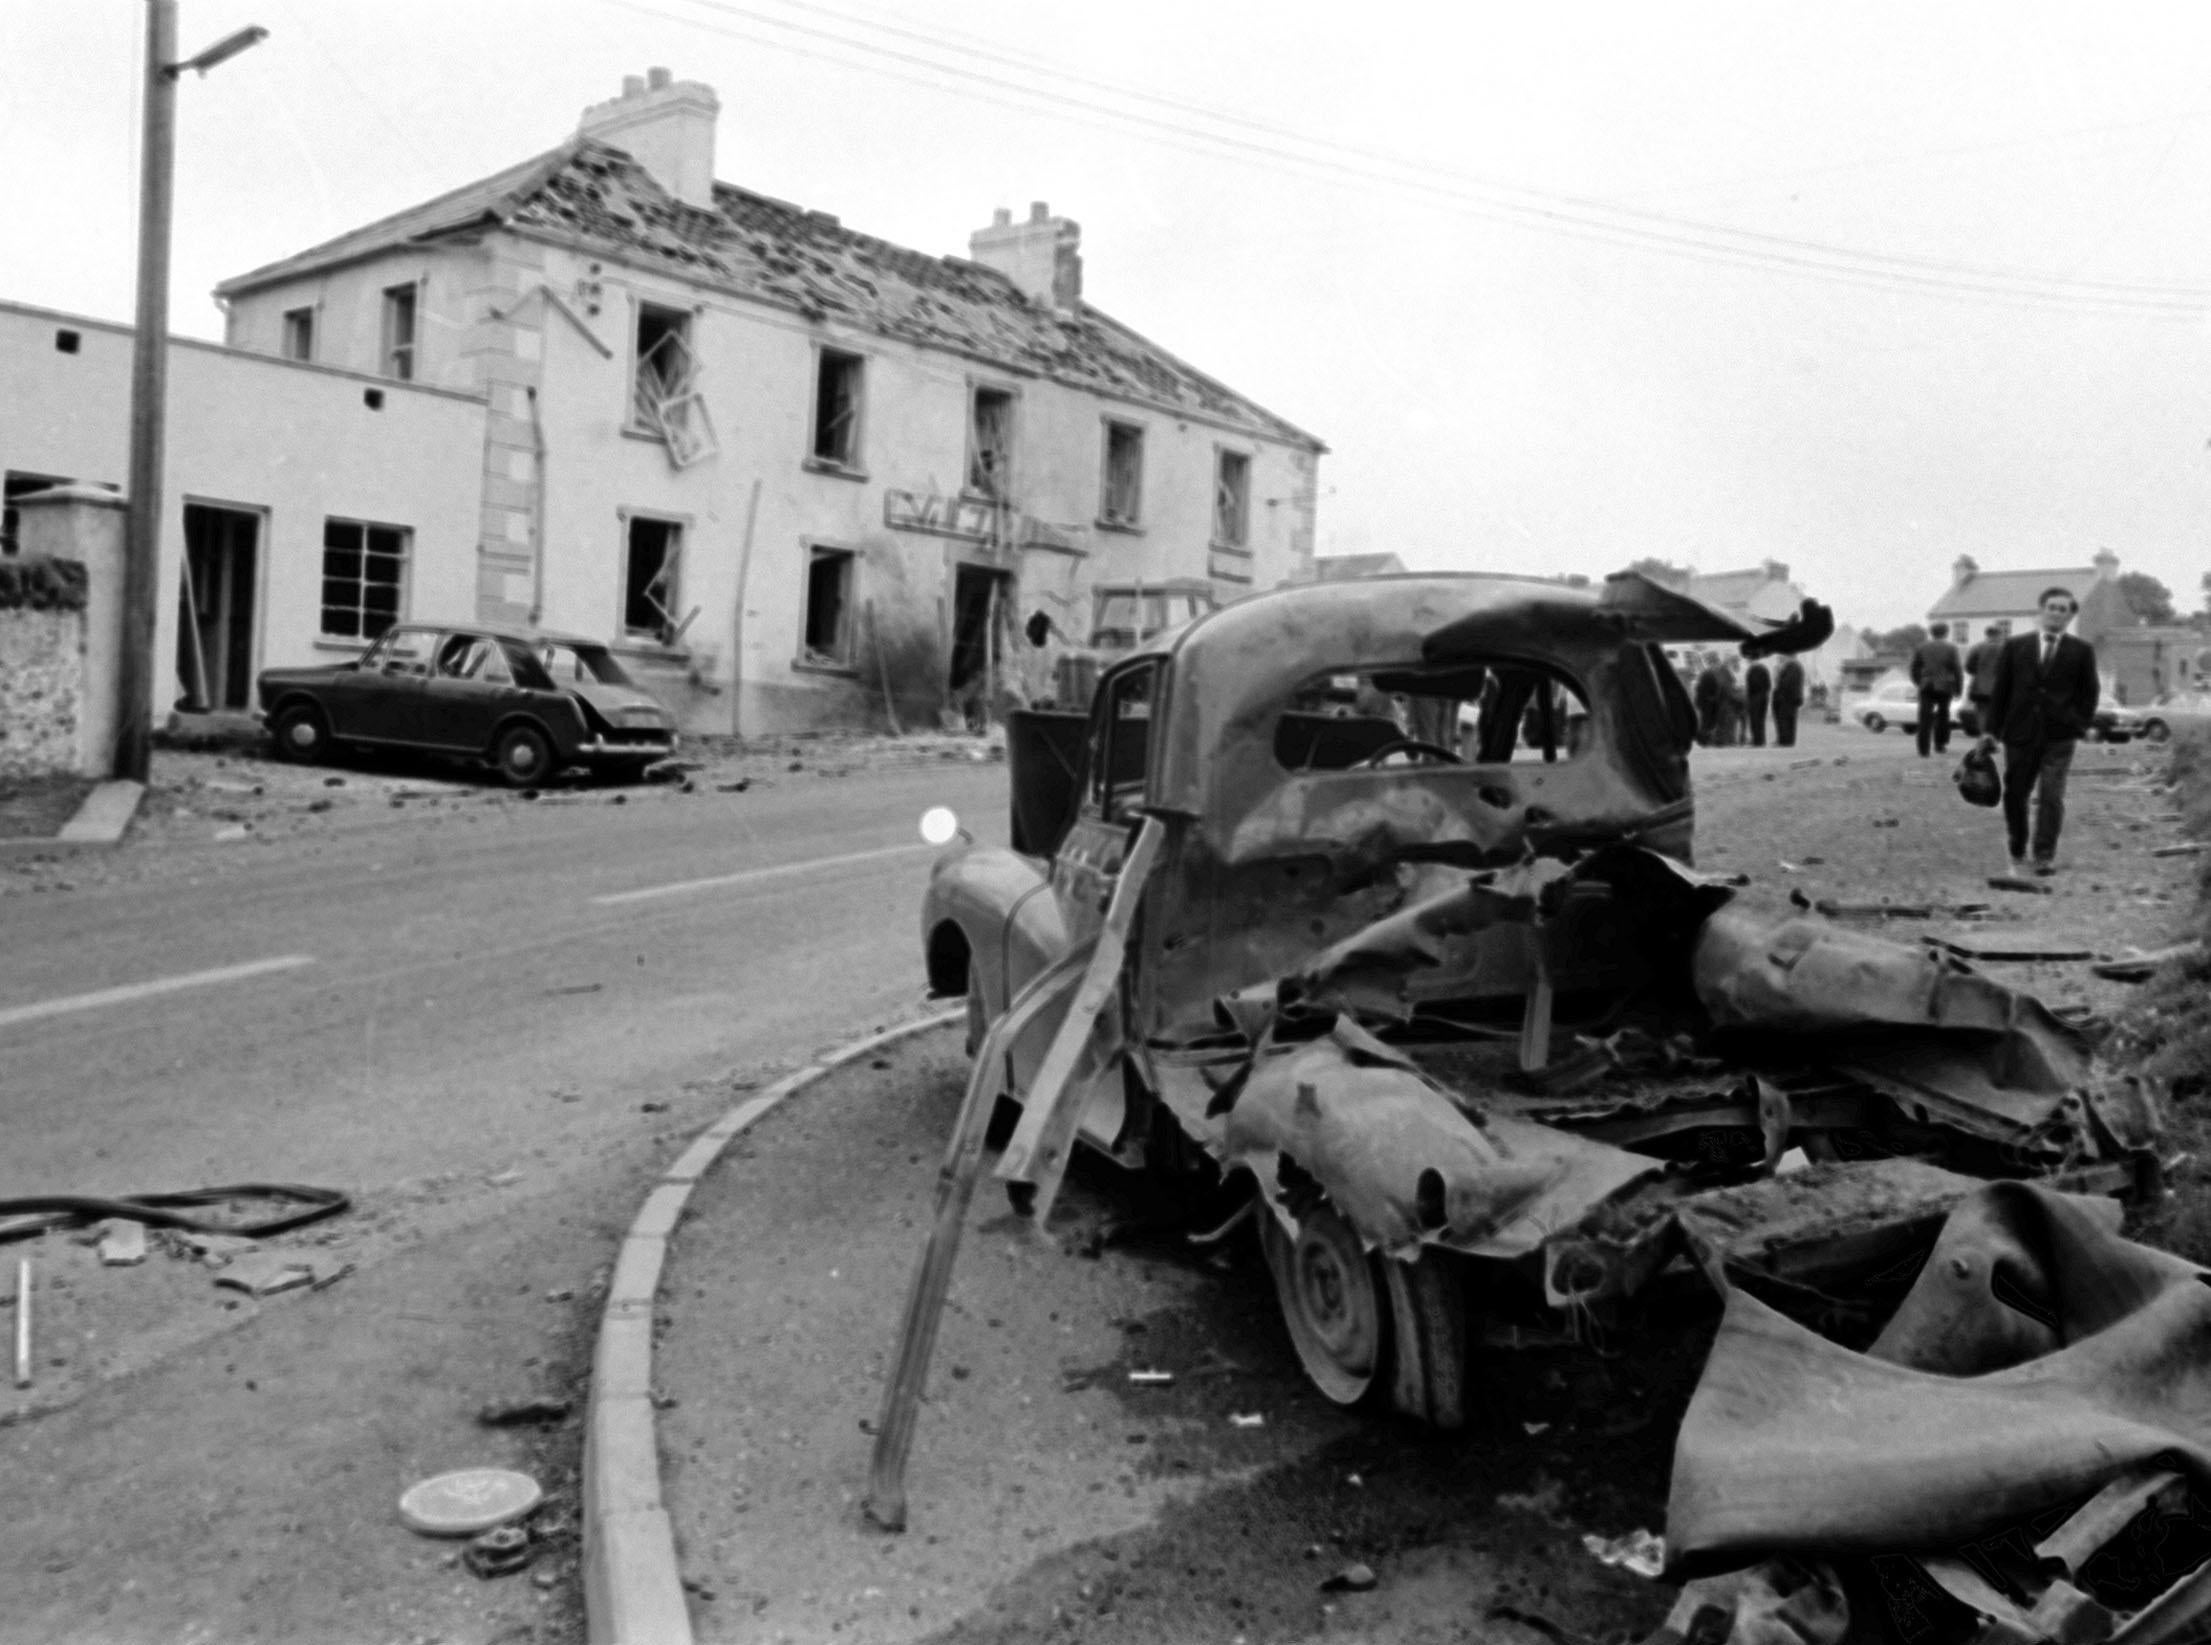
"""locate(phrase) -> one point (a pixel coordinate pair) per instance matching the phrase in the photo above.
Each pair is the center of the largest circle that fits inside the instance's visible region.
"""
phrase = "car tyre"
(524, 756)
(1333, 1301)
(2155, 731)
(301, 734)
(1876, 724)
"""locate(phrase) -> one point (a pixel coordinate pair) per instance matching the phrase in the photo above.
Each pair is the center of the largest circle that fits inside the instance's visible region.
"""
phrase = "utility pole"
(150, 376)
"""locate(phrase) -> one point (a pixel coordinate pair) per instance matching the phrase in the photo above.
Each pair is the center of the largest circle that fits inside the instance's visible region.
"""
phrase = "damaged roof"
(594, 196)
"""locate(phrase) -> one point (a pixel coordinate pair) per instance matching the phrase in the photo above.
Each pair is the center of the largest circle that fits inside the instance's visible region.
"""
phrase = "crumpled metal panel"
(1795, 1444)
(1404, 1163)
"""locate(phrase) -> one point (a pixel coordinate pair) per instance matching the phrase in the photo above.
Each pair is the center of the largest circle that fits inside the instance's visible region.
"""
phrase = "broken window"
(837, 409)
(399, 332)
(990, 443)
(1482, 712)
(652, 552)
(1120, 742)
(19, 484)
(364, 578)
(1231, 498)
(299, 334)
(664, 385)
(827, 635)
(1121, 496)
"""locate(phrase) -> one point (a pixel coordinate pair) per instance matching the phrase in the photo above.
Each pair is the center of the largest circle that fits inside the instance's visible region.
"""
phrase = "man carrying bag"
(2044, 701)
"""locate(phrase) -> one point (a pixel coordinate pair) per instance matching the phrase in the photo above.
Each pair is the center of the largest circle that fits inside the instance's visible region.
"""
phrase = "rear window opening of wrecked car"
(1486, 713)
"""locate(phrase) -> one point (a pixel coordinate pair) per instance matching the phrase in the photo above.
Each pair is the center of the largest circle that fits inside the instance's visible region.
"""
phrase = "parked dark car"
(526, 703)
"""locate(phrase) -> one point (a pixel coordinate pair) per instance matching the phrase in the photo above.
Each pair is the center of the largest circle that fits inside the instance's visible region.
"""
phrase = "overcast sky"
(1859, 288)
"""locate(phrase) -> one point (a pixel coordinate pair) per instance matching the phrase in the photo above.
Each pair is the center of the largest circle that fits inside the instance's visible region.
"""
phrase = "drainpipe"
(537, 514)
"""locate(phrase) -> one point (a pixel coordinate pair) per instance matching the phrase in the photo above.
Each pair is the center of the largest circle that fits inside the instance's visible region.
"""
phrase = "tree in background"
(1900, 642)
(2150, 600)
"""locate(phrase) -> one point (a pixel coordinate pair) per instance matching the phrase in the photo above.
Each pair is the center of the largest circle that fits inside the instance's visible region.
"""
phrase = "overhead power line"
(1282, 148)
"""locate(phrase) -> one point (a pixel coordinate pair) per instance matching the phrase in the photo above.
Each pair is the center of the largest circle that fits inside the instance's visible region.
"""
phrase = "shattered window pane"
(1122, 495)
(1231, 499)
(1480, 713)
(667, 370)
(364, 578)
(1120, 742)
(399, 332)
(828, 607)
(649, 578)
(990, 444)
(837, 409)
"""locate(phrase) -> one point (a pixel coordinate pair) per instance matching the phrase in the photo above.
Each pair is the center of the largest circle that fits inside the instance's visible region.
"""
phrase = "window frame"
(1108, 519)
(299, 326)
(404, 587)
(398, 359)
(852, 462)
(844, 659)
(663, 636)
(1110, 801)
(685, 330)
(1227, 459)
(1000, 488)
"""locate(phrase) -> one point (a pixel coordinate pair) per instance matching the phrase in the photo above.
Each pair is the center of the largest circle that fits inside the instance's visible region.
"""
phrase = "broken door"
(981, 602)
(215, 606)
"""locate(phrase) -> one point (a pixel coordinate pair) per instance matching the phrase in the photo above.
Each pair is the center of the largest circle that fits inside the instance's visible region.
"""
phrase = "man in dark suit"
(1788, 697)
(1757, 687)
(2043, 701)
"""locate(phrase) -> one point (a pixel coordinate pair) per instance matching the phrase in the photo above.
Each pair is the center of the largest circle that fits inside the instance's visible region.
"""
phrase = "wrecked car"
(1377, 904)
(524, 702)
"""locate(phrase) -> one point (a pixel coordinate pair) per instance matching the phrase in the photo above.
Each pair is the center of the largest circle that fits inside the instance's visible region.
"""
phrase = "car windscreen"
(1491, 712)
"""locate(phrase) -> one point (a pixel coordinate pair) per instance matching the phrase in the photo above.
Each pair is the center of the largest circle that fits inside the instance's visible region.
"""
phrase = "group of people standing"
(1731, 709)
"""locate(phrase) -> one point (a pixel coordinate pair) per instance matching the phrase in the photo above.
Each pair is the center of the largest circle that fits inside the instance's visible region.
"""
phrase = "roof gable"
(594, 196)
(2009, 593)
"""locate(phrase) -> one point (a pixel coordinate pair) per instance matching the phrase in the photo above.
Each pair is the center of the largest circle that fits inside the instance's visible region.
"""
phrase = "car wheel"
(2155, 731)
(1875, 723)
(523, 756)
(1428, 1339)
(1335, 1310)
(300, 733)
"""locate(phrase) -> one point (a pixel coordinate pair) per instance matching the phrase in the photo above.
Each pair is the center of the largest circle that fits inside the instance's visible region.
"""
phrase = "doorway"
(215, 601)
(981, 610)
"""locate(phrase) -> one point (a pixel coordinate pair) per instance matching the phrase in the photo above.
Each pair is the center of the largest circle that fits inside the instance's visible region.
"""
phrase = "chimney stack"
(1042, 256)
(2106, 564)
(667, 126)
(1963, 570)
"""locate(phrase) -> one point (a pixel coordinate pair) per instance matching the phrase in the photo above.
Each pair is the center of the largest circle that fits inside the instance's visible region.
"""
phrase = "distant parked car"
(2163, 717)
(525, 703)
(2113, 723)
(1896, 703)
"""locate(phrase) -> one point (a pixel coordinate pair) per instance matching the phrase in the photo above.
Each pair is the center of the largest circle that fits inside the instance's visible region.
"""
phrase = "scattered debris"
(1247, 1419)
(323, 1282)
(501, 1551)
(469, 1501)
(216, 1249)
(1544, 1499)
(239, 831)
(577, 988)
(2139, 967)
(122, 1242)
(1533, 1429)
(652, 1108)
(1638, 1551)
(266, 1273)
(1992, 947)
(2188, 848)
(2019, 882)
(1356, 1578)
(1152, 1379)
(534, 1411)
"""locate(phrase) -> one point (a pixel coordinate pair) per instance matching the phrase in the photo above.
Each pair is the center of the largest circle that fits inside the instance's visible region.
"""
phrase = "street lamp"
(150, 375)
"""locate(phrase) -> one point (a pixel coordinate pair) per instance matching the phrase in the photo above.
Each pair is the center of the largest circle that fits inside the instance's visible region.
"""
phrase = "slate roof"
(592, 195)
(2009, 593)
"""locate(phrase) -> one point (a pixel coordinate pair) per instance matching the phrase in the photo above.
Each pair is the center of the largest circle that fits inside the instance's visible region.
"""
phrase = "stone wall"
(41, 666)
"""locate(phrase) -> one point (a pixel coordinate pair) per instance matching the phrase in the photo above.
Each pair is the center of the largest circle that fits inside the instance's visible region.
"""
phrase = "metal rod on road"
(963, 1163)
(23, 1323)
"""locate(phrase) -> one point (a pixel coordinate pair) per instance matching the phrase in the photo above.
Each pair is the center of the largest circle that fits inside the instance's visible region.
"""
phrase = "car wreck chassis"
(1375, 906)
